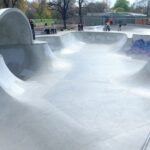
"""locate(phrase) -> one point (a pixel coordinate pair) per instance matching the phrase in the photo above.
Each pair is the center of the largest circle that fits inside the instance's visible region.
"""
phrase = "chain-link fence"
(100, 20)
(94, 20)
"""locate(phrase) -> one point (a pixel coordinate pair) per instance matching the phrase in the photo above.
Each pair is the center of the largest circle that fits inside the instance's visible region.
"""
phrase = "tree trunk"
(9, 3)
(148, 8)
(80, 13)
(6, 3)
(64, 16)
(64, 22)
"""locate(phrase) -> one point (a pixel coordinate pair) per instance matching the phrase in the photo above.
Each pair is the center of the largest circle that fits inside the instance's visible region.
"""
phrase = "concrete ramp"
(74, 91)
(8, 81)
(60, 42)
(12, 33)
(22, 55)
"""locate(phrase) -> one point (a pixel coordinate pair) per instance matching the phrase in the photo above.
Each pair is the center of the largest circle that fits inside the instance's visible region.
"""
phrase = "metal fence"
(96, 20)
(101, 20)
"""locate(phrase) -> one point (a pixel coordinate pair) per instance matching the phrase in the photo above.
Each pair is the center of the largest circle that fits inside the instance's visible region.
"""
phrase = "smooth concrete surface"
(74, 91)
(12, 32)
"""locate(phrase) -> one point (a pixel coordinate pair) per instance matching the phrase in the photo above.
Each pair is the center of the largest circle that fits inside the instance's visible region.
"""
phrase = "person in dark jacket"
(119, 26)
(46, 29)
(32, 28)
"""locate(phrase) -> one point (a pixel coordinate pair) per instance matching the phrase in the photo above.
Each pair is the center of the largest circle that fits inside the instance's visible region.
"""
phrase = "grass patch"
(43, 21)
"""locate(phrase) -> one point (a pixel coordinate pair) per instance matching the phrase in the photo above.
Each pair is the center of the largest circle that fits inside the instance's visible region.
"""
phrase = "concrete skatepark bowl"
(76, 91)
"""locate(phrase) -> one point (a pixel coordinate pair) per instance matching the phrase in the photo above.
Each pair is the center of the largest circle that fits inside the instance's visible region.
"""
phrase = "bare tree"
(141, 6)
(62, 7)
(80, 2)
(96, 7)
(9, 3)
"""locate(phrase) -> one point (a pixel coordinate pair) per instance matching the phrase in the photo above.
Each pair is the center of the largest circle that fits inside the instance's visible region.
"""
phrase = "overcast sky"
(113, 1)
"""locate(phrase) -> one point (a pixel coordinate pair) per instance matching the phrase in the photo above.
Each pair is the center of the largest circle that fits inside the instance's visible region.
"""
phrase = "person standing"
(79, 27)
(119, 26)
(46, 29)
(32, 28)
(108, 26)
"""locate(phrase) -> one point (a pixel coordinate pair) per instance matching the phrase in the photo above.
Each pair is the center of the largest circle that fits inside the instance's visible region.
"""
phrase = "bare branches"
(9, 3)
(6, 3)
(14, 2)
(62, 7)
